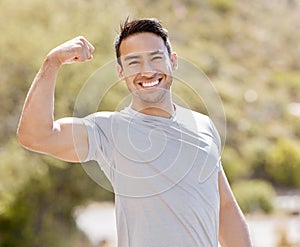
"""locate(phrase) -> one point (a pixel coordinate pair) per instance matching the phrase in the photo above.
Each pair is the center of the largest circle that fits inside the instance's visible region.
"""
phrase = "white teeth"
(150, 84)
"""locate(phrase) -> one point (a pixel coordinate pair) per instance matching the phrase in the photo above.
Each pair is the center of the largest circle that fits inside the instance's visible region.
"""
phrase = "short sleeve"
(98, 136)
(91, 140)
(217, 140)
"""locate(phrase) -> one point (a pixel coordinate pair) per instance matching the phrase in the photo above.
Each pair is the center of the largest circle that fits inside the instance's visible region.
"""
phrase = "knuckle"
(82, 39)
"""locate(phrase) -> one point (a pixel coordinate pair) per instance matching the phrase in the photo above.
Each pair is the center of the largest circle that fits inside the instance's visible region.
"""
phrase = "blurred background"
(248, 49)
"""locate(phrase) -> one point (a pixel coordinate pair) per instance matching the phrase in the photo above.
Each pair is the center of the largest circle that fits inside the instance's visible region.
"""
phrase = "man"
(163, 160)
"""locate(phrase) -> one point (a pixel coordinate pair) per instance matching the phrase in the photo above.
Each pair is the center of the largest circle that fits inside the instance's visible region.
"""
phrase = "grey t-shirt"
(164, 172)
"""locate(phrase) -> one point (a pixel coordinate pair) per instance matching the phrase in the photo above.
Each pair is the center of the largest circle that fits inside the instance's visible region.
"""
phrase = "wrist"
(53, 61)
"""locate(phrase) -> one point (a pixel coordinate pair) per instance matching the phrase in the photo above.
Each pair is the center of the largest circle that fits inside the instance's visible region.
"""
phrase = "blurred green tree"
(283, 163)
(254, 195)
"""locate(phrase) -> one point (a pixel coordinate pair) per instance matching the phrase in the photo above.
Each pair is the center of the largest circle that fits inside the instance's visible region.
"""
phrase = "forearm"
(234, 230)
(38, 112)
(37, 130)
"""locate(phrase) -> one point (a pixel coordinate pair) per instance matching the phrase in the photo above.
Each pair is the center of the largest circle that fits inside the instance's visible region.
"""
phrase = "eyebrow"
(136, 56)
(156, 52)
(129, 57)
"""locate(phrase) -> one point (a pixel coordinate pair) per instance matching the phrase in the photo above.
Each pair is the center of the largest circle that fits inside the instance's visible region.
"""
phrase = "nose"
(147, 69)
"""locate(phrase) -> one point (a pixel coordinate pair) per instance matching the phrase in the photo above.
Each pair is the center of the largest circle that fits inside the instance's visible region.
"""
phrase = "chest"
(150, 159)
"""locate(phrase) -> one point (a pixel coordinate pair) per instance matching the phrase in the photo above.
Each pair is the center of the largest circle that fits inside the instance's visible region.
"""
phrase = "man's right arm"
(65, 138)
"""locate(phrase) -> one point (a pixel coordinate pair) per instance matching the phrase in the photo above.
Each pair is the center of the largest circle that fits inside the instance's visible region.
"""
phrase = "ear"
(120, 71)
(174, 61)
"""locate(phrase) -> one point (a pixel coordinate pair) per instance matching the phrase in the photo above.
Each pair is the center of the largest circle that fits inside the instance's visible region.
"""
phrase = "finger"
(90, 57)
(90, 47)
(84, 55)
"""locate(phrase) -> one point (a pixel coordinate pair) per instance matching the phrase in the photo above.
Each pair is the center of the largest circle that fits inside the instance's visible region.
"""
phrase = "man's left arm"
(233, 230)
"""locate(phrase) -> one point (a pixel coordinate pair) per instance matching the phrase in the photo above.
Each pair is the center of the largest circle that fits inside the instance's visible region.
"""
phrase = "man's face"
(147, 68)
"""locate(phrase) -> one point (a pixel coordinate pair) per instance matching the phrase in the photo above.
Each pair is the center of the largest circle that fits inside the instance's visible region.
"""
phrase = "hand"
(78, 49)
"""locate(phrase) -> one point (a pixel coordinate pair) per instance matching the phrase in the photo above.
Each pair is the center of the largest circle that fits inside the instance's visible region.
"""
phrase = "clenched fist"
(78, 49)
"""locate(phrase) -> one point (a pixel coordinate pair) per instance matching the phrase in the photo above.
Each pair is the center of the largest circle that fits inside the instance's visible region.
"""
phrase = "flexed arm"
(37, 129)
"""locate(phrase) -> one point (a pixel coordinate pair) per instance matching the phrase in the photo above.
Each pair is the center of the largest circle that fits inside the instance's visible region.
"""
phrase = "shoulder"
(188, 115)
(100, 116)
(106, 119)
(98, 119)
(199, 121)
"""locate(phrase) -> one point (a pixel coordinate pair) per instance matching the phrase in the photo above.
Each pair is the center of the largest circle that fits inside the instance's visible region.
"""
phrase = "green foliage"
(234, 166)
(283, 163)
(29, 220)
(287, 81)
(41, 214)
(222, 6)
(254, 195)
(17, 167)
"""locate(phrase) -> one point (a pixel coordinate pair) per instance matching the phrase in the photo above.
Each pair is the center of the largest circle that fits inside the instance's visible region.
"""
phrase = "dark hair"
(150, 25)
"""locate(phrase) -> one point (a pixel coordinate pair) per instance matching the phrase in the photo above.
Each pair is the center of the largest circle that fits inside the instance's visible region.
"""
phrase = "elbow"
(27, 140)
(20, 136)
(33, 140)
(23, 139)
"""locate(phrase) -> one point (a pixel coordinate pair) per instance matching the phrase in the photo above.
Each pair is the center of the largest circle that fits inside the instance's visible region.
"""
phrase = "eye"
(133, 62)
(157, 58)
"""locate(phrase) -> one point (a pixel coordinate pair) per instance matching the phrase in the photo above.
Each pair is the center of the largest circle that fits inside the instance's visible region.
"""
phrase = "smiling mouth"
(150, 84)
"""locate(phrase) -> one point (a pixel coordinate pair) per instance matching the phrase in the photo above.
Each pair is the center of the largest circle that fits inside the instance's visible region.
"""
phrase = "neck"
(165, 110)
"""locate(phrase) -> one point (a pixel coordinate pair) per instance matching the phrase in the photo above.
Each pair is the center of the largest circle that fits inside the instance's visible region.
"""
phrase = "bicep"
(68, 140)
